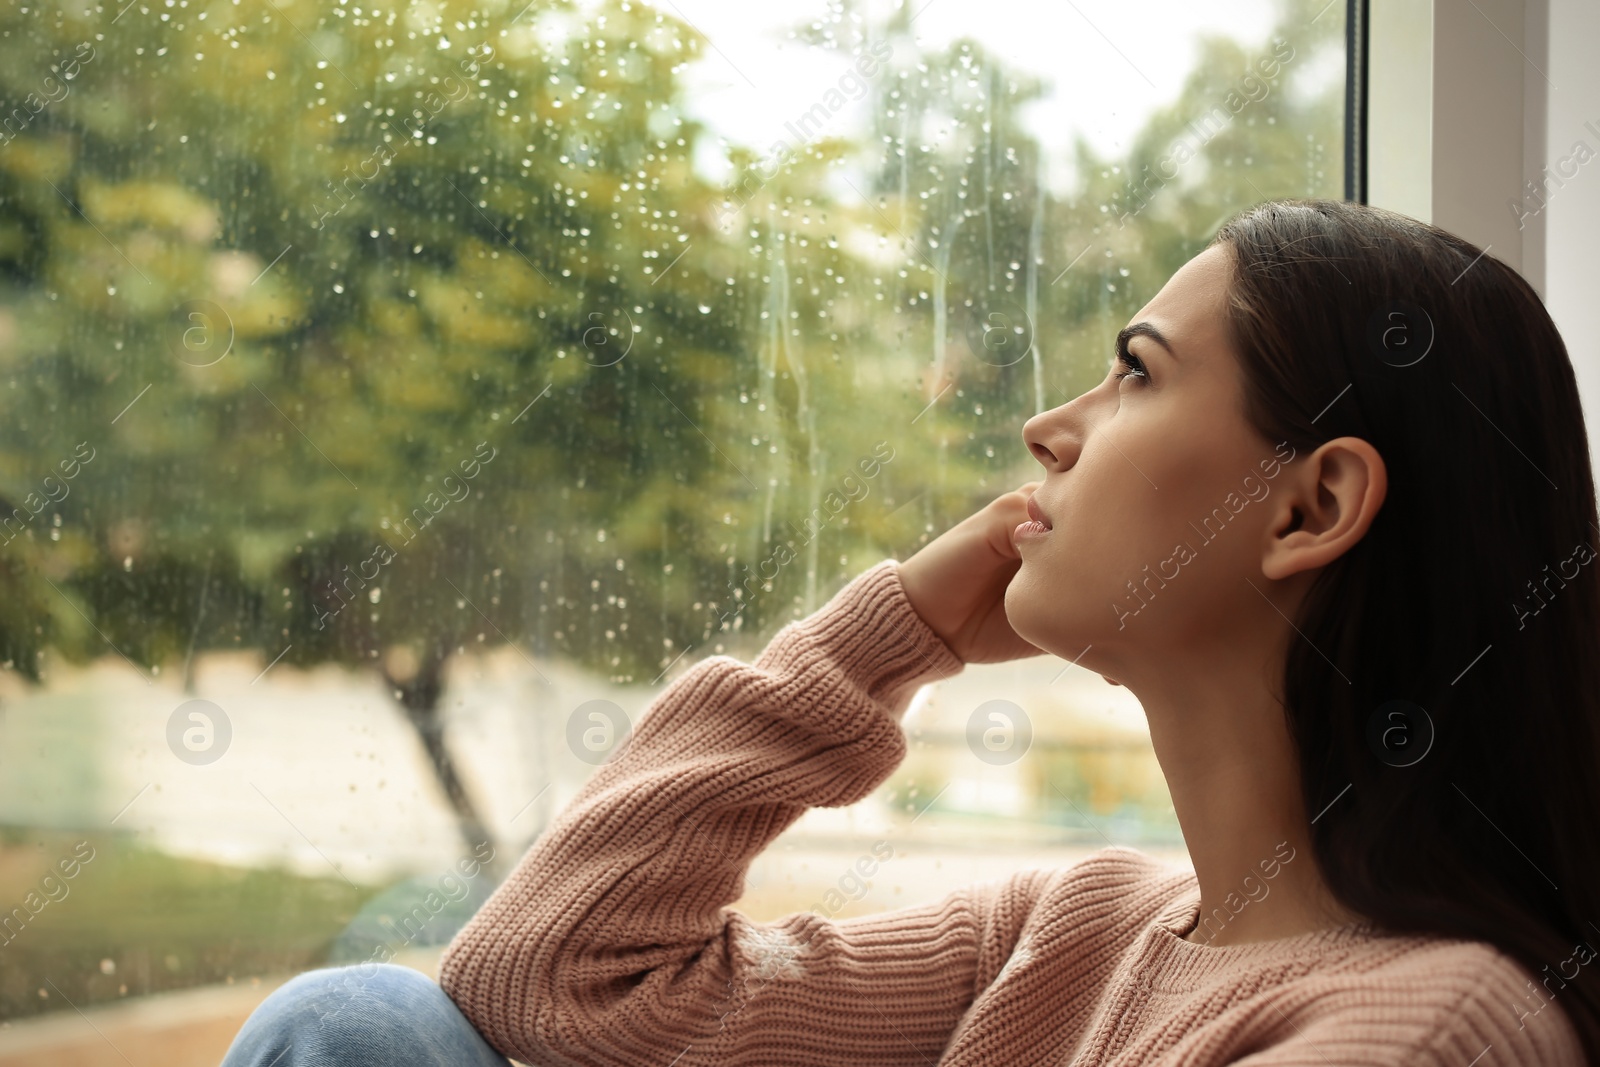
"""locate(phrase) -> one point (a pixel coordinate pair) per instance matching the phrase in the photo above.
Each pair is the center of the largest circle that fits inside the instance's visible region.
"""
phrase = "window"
(399, 395)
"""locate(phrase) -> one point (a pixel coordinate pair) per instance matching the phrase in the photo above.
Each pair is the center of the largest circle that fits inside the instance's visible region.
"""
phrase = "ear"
(1329, 505)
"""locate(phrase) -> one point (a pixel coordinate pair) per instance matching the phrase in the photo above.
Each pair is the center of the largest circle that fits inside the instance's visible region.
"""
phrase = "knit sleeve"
(613, 941)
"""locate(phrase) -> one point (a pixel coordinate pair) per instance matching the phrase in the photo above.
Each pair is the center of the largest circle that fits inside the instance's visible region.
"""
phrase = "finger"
(999, 536)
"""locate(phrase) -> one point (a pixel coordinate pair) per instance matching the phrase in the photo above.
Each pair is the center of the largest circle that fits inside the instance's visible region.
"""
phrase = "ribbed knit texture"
(613, 941)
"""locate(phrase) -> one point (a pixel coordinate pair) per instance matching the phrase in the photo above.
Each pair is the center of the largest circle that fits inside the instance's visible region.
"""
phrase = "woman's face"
(1153, 479)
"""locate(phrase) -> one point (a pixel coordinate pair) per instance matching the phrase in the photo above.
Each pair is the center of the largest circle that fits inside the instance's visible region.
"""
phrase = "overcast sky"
(1107, 64)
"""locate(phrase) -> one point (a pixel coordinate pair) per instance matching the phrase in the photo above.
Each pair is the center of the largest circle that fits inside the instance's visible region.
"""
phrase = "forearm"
(611, 942)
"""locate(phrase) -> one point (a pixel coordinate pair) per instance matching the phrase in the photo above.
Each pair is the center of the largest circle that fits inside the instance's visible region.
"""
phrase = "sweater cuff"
(873, 636)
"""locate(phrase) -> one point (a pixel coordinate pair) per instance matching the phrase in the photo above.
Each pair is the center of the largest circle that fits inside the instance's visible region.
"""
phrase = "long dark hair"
(1445, 699)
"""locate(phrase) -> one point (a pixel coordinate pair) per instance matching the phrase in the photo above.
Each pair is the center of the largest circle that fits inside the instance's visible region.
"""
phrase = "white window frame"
(1474, 105)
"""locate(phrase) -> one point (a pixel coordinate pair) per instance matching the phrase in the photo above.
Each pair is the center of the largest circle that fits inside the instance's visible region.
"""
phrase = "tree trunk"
(419, 699)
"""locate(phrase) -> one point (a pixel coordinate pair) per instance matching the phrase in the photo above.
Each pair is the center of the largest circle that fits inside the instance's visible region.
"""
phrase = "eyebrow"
(1143, 329)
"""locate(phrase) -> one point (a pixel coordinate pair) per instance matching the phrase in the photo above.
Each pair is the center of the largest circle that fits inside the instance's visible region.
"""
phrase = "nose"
(1052, 438)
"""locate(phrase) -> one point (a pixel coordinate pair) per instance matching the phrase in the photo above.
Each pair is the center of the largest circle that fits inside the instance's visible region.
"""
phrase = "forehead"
(1191, 308)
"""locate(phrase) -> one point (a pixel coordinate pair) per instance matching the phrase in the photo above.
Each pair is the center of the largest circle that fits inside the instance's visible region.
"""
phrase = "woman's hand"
(957, 582)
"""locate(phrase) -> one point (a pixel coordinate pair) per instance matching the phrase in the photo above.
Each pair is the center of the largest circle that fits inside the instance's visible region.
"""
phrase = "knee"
(377, 997)
(324, 1015)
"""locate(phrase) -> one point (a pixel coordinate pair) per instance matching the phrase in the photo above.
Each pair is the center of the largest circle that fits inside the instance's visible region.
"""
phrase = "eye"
(1134, 364)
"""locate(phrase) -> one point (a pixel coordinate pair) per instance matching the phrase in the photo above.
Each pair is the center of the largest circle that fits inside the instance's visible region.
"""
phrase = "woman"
(1328, 517)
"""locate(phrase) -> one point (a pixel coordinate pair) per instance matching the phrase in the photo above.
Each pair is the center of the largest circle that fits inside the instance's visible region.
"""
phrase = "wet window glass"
(399, 394)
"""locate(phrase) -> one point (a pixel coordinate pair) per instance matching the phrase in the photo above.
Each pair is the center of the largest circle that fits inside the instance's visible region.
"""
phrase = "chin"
(1051, 610)
(1036, 619)
(1016, 609)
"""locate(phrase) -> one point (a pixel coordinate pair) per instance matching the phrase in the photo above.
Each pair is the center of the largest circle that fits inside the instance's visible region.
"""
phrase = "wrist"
(872, 634)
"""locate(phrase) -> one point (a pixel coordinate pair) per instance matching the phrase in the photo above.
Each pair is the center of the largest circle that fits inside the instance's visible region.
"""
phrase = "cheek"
(1106, 528)
(1114, 527)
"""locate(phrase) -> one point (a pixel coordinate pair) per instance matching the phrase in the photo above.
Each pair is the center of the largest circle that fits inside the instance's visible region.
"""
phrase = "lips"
(1036, 515)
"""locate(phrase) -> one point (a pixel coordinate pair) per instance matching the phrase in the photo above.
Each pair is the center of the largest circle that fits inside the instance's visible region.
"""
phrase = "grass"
(137, 921)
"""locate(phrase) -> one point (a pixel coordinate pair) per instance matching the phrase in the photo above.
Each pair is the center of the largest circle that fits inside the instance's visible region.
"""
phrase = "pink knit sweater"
(613, 941)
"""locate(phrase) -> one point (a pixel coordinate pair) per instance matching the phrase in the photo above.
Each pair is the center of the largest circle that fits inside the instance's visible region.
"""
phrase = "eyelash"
(1134, 364)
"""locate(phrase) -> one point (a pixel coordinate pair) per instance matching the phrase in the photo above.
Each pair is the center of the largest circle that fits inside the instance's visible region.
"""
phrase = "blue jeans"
(365, 1015)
